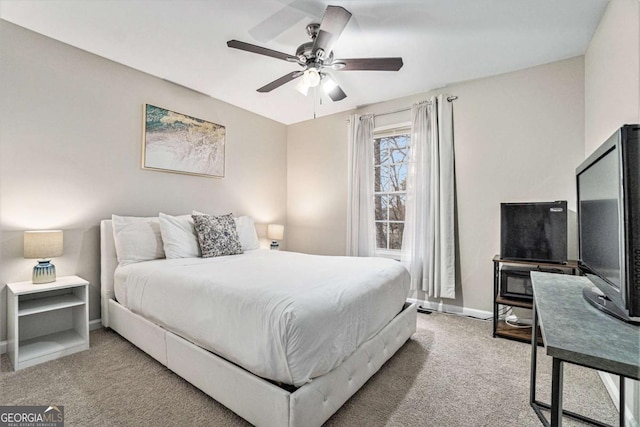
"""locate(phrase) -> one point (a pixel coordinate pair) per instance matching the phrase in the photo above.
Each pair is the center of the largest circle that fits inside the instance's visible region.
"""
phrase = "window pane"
(402, 177)
(399, 156)
(401, 141)
(383, 179)
(398, 147)
(396, 207)
(381, 203)
(381, 235)
(377, 179)
(395, 235)
(391, 168)
(380, 151)
(397, 177)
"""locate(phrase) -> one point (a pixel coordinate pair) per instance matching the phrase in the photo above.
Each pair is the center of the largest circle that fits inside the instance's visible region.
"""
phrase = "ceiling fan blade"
(373, 64)
(259, 50)
(333, 22)
(290, 14)
(279, 82)
(336, 94)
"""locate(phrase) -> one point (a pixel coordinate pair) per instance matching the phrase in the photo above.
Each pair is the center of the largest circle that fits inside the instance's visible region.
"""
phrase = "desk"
(574, 331)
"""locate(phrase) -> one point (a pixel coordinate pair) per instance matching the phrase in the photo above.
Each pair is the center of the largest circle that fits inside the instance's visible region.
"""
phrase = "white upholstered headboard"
(108, 264)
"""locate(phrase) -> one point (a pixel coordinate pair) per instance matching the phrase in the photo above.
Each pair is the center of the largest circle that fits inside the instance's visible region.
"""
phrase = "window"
(391, 160)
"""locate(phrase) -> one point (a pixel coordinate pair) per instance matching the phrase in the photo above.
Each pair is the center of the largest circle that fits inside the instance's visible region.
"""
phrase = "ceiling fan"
(316, 57)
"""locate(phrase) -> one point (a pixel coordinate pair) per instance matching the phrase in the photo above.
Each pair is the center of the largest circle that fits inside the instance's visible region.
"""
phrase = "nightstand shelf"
(66, 342)
(42, 305)
(47, 321)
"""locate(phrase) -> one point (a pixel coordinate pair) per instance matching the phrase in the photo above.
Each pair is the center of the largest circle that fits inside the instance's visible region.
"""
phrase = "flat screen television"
(534, 231)
(608, 184)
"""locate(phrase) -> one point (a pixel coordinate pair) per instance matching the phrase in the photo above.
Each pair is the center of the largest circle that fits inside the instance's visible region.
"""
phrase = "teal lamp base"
(44, 272)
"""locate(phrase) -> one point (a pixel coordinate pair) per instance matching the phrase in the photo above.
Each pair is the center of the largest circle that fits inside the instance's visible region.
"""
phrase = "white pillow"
(246, 232)
(137, 238)
(179, 236)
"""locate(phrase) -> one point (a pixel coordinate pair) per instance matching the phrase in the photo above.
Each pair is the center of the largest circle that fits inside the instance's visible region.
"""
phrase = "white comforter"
(284, 316)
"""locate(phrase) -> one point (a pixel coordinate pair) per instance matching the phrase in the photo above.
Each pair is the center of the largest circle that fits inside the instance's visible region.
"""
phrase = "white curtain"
(360, 222)
(428, 244)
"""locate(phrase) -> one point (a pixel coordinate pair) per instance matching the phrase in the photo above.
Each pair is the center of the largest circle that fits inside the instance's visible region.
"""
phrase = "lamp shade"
(275, 231)
(43, 244)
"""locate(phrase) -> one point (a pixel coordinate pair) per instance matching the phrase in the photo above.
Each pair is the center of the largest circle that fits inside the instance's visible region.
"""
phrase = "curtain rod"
(449, 98)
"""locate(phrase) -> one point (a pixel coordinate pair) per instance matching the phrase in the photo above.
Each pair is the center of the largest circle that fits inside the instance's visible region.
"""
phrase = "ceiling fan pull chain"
(315, 95)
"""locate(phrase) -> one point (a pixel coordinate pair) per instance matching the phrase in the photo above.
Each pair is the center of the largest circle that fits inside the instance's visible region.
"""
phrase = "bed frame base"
(253, 398)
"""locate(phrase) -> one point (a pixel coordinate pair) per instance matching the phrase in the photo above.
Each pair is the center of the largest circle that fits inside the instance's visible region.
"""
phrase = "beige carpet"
(451, 373)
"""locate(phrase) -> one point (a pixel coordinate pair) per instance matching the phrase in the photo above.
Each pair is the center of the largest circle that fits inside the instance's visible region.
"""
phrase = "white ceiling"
(440, 41)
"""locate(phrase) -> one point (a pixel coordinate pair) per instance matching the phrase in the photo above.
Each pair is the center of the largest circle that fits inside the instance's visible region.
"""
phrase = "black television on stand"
(608, 186)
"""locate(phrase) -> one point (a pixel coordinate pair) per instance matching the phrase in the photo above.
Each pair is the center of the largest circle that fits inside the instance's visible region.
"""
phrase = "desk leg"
(534, 366)
(556, 393)
(534, 356)
(496, 271)
(623, 402)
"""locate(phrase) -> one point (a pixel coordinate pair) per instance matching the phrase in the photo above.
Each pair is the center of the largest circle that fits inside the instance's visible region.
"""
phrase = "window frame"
(402, 128)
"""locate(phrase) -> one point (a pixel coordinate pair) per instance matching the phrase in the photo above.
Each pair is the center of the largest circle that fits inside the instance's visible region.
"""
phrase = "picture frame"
(179, 143)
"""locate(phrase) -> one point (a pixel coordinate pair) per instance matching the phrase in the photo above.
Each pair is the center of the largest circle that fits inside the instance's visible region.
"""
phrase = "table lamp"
(43, 245)
(275, 232)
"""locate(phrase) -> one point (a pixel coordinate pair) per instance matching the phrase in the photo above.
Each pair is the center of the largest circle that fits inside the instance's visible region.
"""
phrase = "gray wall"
(70, 154)
(612, 98)
(612, 73)
(518, 137)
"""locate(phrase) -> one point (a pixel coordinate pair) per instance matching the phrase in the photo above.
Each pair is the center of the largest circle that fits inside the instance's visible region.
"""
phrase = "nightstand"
(47, 321)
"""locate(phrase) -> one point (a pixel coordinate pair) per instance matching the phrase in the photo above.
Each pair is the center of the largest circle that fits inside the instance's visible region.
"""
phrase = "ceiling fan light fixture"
(302, 87)
(328, 84)
(311, 77)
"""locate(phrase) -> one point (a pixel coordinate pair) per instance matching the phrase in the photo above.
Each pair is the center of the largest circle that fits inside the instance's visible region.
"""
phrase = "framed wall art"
(175, 142)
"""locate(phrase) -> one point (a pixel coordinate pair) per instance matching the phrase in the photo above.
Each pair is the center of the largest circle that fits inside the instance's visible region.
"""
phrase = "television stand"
(603, 303)
(503, 329)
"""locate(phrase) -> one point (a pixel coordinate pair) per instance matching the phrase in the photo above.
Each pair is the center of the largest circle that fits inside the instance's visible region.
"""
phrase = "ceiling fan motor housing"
(305, 55)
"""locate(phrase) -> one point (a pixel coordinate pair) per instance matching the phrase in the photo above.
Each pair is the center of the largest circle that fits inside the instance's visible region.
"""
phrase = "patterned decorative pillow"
(217, 235)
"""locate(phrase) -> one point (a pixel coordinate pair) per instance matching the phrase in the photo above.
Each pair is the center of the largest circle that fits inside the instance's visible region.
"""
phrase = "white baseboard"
(614, 392)
(93, 325)
(452, 309)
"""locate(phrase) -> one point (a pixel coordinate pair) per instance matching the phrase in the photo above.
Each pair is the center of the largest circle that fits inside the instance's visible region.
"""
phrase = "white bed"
(176, 334)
